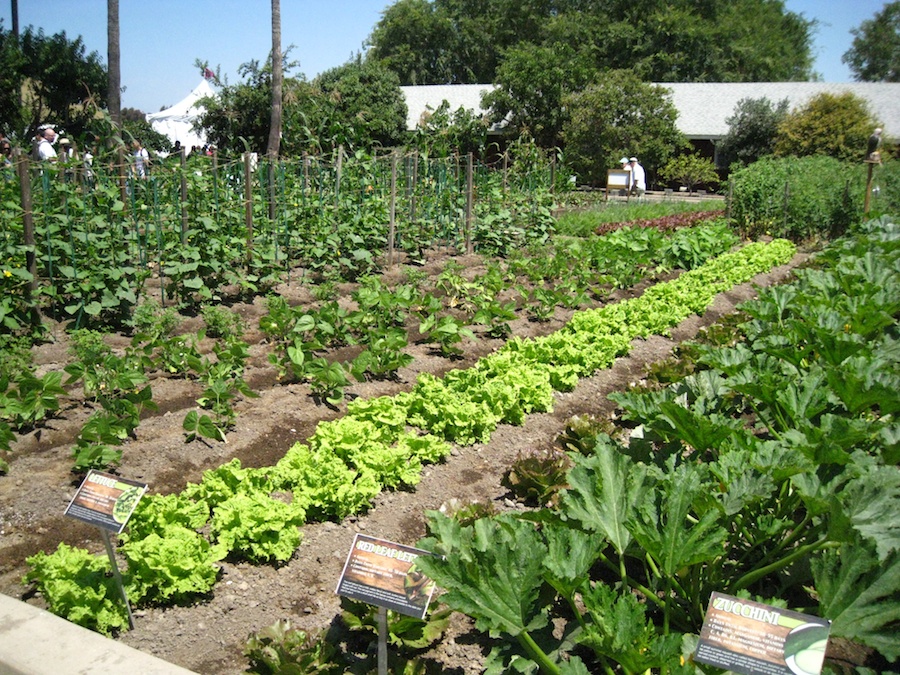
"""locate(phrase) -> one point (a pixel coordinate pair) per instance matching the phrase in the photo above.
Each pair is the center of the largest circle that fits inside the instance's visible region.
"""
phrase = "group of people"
(637, 178)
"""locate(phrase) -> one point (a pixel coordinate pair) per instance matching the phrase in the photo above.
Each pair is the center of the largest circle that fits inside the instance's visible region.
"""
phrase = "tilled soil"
(209, 636)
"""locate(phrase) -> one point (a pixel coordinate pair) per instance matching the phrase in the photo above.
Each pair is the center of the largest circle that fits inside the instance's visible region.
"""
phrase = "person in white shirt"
(626, 167)
(638, 177)
(141, 159)
(45, 145)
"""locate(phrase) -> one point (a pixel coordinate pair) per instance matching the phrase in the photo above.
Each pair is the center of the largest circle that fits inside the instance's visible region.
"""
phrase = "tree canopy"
(621, 116)
(355, 105)
(467, 41)
(837, 125)
(752, 129)
(874, 55)
(49, 80)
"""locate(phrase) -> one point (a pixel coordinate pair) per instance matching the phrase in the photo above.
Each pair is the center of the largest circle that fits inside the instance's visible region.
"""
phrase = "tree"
(412, 39)
(874, 55)
(531, 84)
(49, 80)
(690, 170)
(241, 112)
(274, 142)
(114, 86)
(468, 41)
(838, 125)
(619, 116)
(364, 103)
(751, 130)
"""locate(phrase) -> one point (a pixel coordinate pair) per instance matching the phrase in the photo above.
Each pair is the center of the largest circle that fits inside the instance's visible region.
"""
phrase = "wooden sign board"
(106, 501)
(756, 639)
(617, 179)
(384, 574)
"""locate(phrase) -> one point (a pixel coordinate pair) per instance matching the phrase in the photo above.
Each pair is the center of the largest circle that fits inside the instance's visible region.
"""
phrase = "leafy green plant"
(327, 379)
(446, 331)
(404, 632)
(536, 476)
(280, 648)
(78, 585)
(222, 322)
(383, 355)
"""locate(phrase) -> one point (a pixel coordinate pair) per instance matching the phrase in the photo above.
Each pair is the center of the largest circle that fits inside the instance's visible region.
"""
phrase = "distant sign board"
(383, 573)
(756, 639)
(105, 500)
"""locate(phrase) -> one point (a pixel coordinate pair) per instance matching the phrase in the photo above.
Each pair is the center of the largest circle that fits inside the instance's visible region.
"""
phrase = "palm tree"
(274, 144)
(113, 97)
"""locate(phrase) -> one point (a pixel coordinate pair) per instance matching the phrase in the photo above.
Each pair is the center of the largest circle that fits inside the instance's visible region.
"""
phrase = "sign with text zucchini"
(384, 574)
(756, 639)
(106, 500)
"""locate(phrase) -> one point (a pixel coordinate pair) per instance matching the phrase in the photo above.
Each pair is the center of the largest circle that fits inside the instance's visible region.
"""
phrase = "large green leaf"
(490, 570)
(872, 504)
(861, 595)
(668, 529)
(605, 489)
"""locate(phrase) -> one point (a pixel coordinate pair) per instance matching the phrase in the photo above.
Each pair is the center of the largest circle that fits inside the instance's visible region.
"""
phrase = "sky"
(161, 39)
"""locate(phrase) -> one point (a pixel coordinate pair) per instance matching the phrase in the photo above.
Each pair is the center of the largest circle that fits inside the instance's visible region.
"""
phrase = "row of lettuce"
(175, 542)
(442, 310)
(767, 469)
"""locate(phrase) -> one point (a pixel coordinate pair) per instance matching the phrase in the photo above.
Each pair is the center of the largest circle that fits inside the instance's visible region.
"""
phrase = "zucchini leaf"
(860, 594)
(491, 570)
(605, 490)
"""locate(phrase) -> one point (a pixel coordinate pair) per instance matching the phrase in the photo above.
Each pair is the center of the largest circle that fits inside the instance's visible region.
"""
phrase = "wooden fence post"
(392, 223)
(337, 178)
(184, 215)
(248, 207)
(470, 198)
(22, 166)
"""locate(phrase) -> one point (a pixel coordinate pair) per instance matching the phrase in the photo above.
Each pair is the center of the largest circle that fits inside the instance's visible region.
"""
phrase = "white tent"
(177, 122)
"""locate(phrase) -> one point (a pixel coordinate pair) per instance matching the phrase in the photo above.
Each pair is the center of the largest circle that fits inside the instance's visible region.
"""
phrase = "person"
(6, 163)
(46, 152)
(638, 177)
(141, 159)
(626, 167)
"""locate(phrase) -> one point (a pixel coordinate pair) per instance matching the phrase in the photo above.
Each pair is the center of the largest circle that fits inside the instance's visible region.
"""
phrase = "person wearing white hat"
(638, 177)
(626, 167)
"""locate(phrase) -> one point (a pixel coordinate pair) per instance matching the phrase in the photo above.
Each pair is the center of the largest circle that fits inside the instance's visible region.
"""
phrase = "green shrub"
(797, 198)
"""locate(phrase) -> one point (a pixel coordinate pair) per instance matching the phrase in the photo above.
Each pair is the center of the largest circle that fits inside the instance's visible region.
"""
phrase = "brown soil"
(208, 637)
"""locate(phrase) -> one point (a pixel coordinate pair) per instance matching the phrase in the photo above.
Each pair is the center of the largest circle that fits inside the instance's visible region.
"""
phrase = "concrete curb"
(35, 642)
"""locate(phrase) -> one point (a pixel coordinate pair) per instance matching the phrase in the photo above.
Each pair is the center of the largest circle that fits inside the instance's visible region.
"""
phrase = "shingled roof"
(702, 107)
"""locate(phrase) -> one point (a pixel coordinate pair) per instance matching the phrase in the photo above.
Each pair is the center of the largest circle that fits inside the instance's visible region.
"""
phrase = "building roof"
(425, 98)
(703, 108)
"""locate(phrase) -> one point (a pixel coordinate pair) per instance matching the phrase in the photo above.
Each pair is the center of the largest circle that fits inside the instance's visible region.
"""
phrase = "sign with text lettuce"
(384, 574)
(106, 501)
(756, 639)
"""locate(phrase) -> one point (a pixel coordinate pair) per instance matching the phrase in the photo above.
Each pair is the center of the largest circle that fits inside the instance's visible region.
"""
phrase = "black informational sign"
(106, 501)
(384, 574)
(756, 639)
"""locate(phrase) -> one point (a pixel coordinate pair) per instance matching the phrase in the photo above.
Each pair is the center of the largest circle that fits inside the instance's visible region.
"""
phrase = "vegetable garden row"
(87, 247)
(379, 444)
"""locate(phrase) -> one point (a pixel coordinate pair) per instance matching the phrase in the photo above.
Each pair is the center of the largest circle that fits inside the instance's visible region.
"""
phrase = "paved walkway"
(35, 642)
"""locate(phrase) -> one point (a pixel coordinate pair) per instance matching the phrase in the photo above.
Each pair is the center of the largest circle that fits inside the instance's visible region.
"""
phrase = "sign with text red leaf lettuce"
(384, 574)
(105, 500)
(756, 639)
